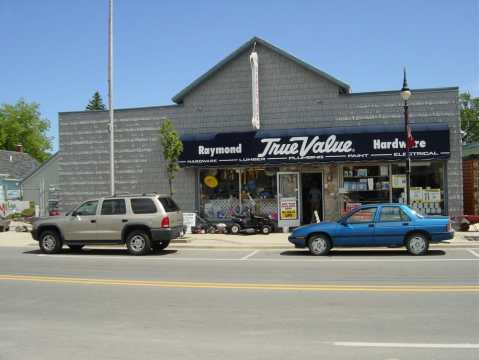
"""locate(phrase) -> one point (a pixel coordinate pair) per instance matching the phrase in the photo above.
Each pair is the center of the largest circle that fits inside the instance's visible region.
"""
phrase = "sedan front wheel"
(319, 245)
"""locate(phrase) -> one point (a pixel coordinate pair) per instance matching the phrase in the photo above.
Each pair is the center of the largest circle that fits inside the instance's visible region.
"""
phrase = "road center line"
(324, 287)
(473, 253)
(406, 345)
(250, 255)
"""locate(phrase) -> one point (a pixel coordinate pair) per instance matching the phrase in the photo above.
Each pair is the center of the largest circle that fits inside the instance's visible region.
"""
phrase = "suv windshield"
(168, 204)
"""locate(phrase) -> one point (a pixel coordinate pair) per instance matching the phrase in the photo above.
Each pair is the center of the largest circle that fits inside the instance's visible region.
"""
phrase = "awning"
(283, 146)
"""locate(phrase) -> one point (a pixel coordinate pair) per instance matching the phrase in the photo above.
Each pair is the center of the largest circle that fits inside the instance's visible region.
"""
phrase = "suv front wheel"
(138, 242)
(50, 242)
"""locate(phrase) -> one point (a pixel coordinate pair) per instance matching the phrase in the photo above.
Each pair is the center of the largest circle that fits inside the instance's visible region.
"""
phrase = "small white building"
(41, 185)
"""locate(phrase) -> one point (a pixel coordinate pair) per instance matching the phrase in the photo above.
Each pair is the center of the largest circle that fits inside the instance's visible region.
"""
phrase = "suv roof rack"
(138, 194)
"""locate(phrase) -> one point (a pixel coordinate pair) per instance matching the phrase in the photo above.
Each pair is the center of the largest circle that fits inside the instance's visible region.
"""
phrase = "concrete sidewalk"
(212, 241)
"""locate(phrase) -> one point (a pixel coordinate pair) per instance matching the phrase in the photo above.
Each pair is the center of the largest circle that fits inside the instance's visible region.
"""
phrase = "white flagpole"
(110, 98)
(253, 58)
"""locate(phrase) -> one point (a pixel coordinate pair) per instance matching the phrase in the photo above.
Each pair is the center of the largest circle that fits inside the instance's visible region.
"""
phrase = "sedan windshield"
(414, 212)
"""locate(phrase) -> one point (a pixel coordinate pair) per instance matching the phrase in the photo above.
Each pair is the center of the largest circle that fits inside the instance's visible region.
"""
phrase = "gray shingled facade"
(291, 96)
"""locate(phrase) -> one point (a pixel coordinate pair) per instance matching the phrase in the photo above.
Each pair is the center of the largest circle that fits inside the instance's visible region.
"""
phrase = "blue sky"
(54, 52)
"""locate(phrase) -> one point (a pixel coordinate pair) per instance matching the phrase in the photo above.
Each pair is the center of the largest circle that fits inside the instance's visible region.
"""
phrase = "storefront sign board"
(288, 209)
(189, 220)
(14, 194)
(309, 145)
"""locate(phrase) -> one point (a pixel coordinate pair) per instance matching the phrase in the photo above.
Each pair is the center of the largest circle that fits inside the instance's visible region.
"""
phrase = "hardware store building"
(316, 147)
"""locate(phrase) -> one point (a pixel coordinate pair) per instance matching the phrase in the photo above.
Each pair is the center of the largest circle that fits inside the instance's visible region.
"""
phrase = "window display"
(387, 183)
(365, 184)
(227, 192)
(427, 190)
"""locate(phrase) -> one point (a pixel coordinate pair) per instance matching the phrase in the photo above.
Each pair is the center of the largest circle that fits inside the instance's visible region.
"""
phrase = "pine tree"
(96, 103)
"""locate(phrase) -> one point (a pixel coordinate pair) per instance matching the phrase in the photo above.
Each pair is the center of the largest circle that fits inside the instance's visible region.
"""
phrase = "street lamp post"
(405, 95)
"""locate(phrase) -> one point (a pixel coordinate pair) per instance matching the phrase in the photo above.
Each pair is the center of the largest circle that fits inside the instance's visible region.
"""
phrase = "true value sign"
(258, 148)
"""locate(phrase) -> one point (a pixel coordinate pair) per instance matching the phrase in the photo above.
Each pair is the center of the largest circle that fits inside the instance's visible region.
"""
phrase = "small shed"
(41, 185)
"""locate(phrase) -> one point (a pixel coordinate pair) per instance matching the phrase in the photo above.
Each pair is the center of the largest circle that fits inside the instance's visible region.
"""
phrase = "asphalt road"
(239, 304)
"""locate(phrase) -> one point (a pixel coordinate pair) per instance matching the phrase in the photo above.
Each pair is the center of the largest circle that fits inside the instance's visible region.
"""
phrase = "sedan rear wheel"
(417, 244)
(319, 245)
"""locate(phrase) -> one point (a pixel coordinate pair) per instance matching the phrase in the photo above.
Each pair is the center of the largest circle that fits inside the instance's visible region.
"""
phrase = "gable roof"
(16, 165)
(178, 98)
(49, 161)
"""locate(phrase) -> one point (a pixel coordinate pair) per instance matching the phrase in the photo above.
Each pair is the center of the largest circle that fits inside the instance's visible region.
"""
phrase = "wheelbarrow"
(469, 221)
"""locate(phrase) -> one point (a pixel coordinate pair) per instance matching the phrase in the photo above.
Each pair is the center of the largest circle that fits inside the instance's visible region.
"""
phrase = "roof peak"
(178, 98)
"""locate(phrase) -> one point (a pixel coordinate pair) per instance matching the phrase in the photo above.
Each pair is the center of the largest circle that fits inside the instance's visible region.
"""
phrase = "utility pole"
(110, 99)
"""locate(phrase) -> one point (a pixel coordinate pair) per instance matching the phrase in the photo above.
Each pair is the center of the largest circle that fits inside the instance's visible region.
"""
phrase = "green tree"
(172, 149)
(96, 103)
(469, 117)
(21, 123)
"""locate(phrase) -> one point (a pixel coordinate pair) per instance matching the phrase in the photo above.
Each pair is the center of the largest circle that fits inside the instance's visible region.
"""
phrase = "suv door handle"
(124, 220)
(93, 221)
(371, 225)
(405, 223)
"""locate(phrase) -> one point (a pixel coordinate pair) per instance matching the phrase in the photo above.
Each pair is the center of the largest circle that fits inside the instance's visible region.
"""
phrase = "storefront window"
(427, 189)
(220, 189)
(258, 192)
(387, 183)
(365, 185)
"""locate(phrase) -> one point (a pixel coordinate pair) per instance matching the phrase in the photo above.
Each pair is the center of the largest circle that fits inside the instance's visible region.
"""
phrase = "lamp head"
(405, 92)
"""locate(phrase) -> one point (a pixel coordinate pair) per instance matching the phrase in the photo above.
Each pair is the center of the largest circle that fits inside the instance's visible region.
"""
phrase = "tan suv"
(142, 222)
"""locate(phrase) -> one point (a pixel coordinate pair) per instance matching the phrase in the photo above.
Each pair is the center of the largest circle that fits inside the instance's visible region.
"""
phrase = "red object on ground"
(473, 219)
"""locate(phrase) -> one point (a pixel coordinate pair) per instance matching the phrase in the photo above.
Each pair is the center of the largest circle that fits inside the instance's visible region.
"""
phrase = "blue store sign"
(314, 145)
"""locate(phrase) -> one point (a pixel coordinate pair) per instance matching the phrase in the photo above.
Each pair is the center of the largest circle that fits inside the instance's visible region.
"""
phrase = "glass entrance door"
(288, 199)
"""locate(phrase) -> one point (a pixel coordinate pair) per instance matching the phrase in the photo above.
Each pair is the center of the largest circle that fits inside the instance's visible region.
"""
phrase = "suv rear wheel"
(138, 242)
(50, 242)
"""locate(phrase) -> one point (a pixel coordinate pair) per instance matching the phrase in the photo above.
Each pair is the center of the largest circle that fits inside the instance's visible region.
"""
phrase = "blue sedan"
(391, 225)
